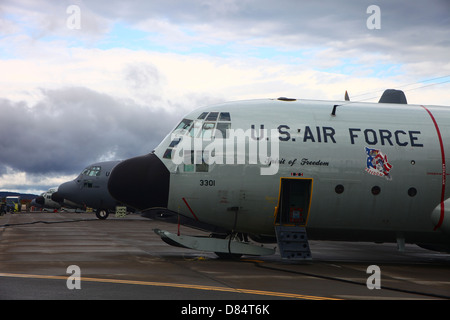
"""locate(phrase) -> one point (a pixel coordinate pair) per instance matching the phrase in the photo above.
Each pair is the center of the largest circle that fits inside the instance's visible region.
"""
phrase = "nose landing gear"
(102, 214)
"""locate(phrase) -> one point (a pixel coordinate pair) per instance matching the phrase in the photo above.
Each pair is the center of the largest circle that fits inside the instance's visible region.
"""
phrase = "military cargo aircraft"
(287, 170)
(45, 200)
(89, 189)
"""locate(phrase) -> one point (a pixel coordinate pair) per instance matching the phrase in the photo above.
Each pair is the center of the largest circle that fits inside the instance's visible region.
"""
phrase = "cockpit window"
(174, 142)
(222, 130)
(208, 125)
(224, 116)
(95, 172)
(92, 171)
(202, 116)
(183, 126)
(168, 153)
(207, 130)
(212, 116)
(195, 165)
(195, 129)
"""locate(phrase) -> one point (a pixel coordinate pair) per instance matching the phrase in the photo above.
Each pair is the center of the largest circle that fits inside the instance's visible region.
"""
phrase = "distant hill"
(24, 196)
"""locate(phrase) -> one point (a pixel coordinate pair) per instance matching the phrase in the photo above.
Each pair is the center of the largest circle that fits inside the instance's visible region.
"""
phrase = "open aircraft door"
(294, 201)
(291, 218)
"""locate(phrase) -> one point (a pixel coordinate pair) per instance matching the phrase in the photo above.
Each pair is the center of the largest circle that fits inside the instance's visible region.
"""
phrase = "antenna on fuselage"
(389, 96)
(393, 96)
(346, 97)
(333, 113)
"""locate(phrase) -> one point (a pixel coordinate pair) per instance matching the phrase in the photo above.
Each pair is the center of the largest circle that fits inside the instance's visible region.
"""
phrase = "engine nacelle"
(441, 217)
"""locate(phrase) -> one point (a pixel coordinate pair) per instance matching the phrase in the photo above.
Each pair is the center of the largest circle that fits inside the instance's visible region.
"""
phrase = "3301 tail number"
(207, 183)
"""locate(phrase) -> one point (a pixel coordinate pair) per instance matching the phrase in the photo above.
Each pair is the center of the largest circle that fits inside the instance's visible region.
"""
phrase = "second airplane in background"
(89, 189)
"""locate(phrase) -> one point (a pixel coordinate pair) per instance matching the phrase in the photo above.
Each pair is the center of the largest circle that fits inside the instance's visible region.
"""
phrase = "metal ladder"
(293, 243)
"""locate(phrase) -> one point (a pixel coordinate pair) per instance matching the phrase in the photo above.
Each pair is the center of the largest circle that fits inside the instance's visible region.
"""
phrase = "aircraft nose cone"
(67, 190)
(40, 200)
(56, 196)
(140, 182)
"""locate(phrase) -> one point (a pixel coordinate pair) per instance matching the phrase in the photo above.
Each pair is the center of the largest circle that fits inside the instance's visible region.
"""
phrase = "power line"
(405, 85)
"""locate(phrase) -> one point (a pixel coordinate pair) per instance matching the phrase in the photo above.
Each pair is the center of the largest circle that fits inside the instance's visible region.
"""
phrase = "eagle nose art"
(141, 182)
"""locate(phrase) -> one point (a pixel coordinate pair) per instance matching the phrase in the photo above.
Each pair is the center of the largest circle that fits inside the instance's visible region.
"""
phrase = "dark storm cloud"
(412, 32)
(72, 127)
(404, 24)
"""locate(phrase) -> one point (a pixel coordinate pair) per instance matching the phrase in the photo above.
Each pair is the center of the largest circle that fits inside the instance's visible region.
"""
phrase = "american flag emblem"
(377, 163)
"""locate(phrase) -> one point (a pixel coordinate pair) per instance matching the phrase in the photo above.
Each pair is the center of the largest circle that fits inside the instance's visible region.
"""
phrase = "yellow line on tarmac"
(173, 285)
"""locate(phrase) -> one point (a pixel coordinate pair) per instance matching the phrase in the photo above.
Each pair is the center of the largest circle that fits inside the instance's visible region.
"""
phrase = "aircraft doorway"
(294, 201)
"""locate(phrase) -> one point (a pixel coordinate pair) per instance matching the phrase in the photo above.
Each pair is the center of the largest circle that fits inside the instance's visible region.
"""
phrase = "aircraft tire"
(102, 214)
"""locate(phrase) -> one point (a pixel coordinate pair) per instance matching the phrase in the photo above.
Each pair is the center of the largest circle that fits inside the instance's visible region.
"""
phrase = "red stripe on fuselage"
(444, 170)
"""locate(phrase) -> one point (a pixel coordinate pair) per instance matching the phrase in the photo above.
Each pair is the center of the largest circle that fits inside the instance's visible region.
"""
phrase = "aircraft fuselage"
(370, 172)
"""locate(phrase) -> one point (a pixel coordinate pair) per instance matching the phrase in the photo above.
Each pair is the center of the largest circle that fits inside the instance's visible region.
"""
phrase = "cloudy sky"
(87, 81)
